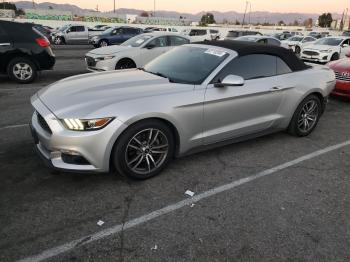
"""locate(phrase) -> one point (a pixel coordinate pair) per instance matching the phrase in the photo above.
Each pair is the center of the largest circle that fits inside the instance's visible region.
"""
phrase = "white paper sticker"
(215, 52)
(140, 41)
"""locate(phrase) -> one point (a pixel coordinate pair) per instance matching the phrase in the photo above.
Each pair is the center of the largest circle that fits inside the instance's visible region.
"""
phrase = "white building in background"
(162, 21)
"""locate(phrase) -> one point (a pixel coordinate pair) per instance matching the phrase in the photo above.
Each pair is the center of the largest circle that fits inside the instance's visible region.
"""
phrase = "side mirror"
(231, 80)
(150, 46)
(68, 31)
(345, 45)
(347, 54)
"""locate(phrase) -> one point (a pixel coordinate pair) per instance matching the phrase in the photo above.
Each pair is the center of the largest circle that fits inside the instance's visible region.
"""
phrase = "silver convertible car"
(193, 97)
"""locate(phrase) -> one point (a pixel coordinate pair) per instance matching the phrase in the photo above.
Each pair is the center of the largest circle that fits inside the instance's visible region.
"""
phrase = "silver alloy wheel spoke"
(146, 151)
(308, 116)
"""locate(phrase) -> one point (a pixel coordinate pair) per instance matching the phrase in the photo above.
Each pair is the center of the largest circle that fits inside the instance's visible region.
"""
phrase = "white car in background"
(326, 49)
(297, 43)
(134, 53)
(199, 35)
(261, 39)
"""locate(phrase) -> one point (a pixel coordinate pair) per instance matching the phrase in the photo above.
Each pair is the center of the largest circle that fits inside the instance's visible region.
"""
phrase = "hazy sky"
(195, 6)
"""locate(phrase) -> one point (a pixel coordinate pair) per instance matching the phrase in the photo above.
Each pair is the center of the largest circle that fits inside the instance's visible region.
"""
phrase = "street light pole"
(113, 6)
(154, 8)
(245, 11)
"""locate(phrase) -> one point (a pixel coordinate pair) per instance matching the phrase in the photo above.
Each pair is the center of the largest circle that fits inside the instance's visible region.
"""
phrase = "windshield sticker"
(215, 52)
(140, 41)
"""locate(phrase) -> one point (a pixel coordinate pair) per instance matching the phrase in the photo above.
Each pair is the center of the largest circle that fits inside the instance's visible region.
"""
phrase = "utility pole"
(114, 6)
(346, 14)
(245, 11)
(250, 10)
(154, 8)
(33, 4)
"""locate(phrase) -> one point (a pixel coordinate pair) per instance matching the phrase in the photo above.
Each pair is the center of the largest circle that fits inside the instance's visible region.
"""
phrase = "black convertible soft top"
(247, 48)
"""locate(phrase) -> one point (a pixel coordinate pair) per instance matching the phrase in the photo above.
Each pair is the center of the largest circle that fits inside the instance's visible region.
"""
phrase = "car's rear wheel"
(125, 64)
(306, 116)
(335, 57)
(103, 43)
(22, 70)
(144, 149)
(59, 40)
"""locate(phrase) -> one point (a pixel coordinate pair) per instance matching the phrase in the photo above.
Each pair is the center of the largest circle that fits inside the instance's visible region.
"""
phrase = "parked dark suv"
(23, 51)
(115, 36)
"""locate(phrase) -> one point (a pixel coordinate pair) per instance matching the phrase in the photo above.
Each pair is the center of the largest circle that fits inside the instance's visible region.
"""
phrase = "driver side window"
(159, 42)
(249, 67)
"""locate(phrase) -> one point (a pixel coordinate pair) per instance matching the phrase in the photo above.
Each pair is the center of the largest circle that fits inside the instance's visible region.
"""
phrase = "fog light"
(55, 154)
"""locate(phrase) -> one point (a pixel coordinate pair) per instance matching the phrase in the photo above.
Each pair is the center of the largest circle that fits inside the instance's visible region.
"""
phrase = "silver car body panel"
(201, 114)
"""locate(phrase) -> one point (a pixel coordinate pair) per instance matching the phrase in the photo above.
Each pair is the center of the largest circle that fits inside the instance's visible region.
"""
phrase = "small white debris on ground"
(100, 223)
(189, 193)
(154, 248)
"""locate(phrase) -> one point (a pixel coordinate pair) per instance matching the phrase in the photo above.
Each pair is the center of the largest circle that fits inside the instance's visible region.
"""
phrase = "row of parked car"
(24, 49)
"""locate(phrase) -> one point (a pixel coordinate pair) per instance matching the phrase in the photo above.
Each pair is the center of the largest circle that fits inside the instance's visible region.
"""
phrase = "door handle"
(279, 88)
(5, 44)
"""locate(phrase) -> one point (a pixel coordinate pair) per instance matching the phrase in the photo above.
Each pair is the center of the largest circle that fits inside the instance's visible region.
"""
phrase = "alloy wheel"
(147, 151)
(22, 71)
(308, 116)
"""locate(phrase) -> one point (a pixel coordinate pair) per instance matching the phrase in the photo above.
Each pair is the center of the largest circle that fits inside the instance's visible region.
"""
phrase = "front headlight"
(105, 57)
(86, 124)
(326, 51)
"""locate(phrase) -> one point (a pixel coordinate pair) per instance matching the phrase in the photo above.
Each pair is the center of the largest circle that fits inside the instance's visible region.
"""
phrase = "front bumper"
(95, 65)
(60, 147)
(319, 57)
(342, 88)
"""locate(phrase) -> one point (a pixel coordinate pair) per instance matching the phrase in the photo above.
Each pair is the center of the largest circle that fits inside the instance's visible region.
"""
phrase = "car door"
(5, 46)
(345, 48)
(154, 48)
(234, 111)
(82, 35)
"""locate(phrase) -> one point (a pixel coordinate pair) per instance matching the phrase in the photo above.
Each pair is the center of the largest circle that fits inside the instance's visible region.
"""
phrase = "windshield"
(329, 41)
(295, 38)
(187, 64)
(247, 38)
(109, 30)
(137, 40)
(63, 28)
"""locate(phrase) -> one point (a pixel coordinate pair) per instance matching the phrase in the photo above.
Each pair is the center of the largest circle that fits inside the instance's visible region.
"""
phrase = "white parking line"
(14, 126)
(49, 253)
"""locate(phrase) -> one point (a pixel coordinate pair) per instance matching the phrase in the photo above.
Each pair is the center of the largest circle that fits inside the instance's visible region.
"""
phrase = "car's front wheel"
(335, 57)
(144, 149)
(103, 43)
(297, 50)
(22, 70)
(306, 116)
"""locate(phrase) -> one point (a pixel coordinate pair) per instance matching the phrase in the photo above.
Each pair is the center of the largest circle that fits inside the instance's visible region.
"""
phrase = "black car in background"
(23, 51)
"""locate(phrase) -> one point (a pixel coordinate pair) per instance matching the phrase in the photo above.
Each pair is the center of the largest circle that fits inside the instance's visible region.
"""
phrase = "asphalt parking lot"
(275, 198)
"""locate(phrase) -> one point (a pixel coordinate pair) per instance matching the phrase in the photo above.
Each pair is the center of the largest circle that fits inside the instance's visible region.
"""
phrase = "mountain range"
(231, 16)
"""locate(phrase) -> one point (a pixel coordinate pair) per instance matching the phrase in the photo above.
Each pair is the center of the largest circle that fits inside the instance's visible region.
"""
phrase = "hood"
(342, 65)
(85, 96)
(108, 50)
(319, 47)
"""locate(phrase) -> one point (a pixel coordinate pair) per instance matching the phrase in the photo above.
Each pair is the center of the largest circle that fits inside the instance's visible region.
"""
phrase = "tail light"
(42, 41)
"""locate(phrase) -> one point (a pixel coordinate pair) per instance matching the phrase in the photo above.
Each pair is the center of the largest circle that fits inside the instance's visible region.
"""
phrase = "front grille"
(310, 53)
(342, 77)
(43, 124)
(90, 61)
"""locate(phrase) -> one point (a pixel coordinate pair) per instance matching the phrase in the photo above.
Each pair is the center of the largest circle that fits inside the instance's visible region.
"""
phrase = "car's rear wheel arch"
(166, 122)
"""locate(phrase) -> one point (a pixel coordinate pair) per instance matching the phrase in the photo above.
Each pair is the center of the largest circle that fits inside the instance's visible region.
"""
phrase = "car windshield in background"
(137, 40)
(187, 64)
(109, 30)
(232, 34)
(247, 38)
(329, 41)
(295, 38)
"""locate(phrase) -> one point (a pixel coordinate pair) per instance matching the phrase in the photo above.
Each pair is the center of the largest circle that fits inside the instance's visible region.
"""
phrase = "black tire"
(96, 46)
(297, 50)
(335, 57)
(124, 152)
(299, 117)
(22, 70)
(103, 43)
(125, 64)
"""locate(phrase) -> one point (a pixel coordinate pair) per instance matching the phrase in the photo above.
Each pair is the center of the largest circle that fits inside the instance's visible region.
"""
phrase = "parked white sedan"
(326, 49)
(297, 43)
(134, 53)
